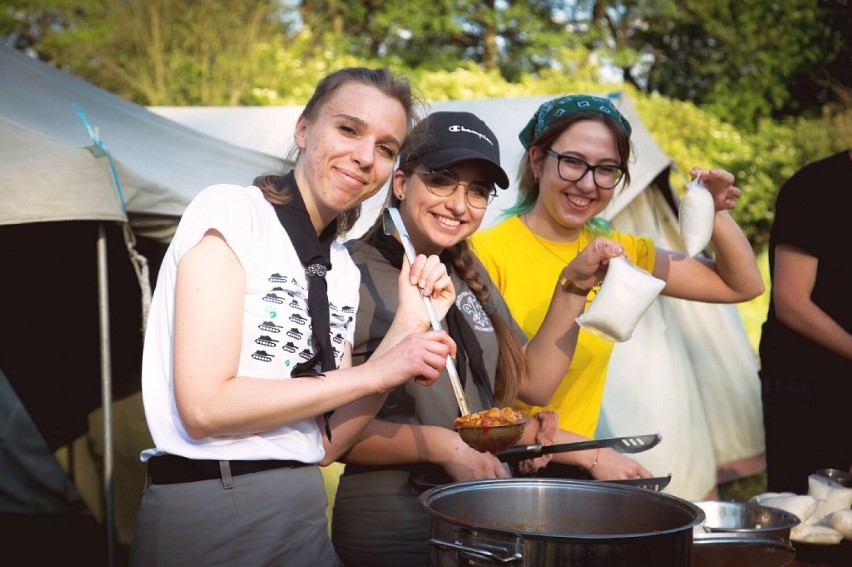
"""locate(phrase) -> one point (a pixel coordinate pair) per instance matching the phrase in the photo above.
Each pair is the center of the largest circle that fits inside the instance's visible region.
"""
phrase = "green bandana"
(558, 107)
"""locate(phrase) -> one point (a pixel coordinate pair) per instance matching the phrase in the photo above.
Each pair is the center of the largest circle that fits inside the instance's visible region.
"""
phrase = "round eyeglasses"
(570, 168)
(444, 182)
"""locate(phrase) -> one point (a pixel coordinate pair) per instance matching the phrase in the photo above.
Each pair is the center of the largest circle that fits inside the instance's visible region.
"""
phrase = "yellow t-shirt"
(525, 268)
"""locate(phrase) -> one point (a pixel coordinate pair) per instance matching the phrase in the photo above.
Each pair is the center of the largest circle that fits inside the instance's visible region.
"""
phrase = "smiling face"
(436, 223)
(347, 152)
(565, 206)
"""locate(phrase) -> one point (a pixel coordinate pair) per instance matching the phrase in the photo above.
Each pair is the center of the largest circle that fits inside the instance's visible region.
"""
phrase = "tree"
(158, 52)
(742, 59)
(510, 37)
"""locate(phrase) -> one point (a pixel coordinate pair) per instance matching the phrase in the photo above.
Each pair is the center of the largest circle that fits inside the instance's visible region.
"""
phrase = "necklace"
(553, 253)
(545, 246)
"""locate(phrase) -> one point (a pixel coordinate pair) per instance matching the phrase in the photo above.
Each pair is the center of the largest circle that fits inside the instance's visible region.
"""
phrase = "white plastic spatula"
(391, 219)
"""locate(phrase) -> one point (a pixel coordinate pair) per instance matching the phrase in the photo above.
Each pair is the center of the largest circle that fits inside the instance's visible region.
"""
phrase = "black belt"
(171, 469)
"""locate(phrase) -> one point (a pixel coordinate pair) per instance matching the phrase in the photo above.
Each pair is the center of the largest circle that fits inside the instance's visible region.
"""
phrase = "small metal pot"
(741, 533)
(836, 477)
(544, 522)
(746, 519)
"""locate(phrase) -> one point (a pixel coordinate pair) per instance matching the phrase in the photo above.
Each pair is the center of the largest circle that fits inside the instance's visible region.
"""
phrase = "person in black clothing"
(806, 343)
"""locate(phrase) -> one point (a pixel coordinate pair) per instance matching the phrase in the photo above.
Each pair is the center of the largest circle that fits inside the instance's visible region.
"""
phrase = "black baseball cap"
(445, 138)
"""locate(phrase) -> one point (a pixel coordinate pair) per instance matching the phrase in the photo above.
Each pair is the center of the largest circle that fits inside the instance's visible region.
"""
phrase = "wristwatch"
(570, 287)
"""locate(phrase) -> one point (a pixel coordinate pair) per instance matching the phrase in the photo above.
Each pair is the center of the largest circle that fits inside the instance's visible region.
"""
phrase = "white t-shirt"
(276, 325)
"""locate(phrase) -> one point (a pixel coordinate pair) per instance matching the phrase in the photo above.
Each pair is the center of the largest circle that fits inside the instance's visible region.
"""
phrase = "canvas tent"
(73, 290)
(688, 372)
(269, 129)
(161, 164)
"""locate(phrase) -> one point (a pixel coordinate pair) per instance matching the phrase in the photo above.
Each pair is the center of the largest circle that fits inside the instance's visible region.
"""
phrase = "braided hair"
(511, 367)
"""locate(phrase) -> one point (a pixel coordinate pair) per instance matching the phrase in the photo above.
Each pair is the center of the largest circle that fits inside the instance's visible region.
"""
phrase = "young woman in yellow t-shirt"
(578, 150)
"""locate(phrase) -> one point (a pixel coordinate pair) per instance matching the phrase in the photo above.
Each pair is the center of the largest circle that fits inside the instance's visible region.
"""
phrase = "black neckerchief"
(314, 254)
(468, 347)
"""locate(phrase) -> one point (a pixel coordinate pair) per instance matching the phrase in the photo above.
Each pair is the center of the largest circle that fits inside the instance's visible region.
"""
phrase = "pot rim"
(787, 520)
(437, 492)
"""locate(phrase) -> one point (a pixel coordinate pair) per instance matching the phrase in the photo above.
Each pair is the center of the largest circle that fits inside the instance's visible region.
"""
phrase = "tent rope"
(140, 266)
(99, 150)
(139, 262)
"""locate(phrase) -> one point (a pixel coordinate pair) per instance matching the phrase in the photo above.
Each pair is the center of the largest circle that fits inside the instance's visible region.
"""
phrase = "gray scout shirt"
(411, 402)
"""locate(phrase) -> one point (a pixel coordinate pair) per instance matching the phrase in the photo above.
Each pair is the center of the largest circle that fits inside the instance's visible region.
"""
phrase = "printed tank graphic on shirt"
(469, 305)
(285, 330)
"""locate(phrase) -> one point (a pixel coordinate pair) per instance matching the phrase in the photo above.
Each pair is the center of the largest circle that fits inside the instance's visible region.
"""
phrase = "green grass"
(742, 489)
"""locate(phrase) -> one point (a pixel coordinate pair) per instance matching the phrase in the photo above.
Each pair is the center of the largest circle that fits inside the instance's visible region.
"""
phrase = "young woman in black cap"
(444, 182)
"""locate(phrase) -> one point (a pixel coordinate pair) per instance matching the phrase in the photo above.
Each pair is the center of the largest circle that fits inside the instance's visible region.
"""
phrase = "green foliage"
(288, 79)
(753, 313)
(160, 52)
(25, 23)
(761, 160)
(513, 38)
(733, 60)
(469, 81)
(748, 59)
(743, 489)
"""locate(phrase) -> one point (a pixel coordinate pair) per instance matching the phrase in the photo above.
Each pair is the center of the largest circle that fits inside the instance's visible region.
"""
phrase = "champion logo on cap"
(457, 128)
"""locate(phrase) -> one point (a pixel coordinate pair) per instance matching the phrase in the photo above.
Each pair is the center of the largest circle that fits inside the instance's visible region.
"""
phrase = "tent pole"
(106, 390)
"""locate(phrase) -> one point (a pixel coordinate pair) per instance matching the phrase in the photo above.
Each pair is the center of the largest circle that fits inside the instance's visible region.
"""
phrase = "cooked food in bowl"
(490, 418)
(492, 430)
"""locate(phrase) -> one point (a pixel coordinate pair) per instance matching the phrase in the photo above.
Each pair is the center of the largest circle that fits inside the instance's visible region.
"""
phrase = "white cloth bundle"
(841, 522)
(695, 217)
(626, 293)
(815, 534)
(830, 499)
(824, 512)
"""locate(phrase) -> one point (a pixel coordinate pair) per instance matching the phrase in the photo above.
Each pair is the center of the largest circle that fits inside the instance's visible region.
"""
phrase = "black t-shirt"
(813, 211)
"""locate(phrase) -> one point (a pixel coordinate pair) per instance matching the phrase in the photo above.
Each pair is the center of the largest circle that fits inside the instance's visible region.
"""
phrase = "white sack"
(626, 293)
(695, 217)
(841, 522)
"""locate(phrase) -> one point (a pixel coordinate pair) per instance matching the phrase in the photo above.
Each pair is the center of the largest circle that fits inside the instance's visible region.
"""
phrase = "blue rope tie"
(100, 150)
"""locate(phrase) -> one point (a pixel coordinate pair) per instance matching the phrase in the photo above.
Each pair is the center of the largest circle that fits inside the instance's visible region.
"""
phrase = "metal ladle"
(391, 219)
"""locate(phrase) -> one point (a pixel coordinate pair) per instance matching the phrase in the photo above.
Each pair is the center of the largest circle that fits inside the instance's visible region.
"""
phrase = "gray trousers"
(378, 521)
(274, 517)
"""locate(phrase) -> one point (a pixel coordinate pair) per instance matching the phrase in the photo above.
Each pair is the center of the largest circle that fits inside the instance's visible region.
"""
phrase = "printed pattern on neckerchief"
(468, 347)
(314, 253)
(552, 110)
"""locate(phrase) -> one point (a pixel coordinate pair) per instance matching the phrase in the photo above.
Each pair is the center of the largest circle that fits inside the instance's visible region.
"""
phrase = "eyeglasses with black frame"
(570, 168)
(444, 182)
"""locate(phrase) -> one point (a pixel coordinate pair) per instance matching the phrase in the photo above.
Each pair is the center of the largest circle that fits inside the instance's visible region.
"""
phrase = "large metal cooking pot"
(545, 522)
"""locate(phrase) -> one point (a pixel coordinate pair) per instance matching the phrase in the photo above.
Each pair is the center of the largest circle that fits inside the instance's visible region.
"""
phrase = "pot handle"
(477, 552)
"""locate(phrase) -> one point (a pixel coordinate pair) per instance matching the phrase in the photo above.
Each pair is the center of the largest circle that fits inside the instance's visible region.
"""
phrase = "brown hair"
(382, 79)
